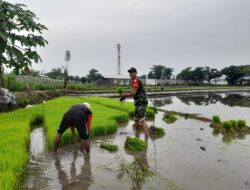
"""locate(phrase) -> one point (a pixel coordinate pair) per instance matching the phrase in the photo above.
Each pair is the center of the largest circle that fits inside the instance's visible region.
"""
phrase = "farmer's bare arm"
(130, 94)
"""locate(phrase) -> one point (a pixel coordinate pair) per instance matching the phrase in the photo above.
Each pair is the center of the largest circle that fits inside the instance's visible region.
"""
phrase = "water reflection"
(139, 170)
(228, 137)
(82, 181)
(229, 99)
(237, 99)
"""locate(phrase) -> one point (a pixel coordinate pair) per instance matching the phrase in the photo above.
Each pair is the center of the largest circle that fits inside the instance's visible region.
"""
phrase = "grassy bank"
(18, 85)
(15, 130)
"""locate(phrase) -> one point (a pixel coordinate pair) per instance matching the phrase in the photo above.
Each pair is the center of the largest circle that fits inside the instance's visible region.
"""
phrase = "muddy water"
(176, 159)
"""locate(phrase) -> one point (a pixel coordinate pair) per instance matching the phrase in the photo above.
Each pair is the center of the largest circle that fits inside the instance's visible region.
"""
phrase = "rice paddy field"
(15, 130)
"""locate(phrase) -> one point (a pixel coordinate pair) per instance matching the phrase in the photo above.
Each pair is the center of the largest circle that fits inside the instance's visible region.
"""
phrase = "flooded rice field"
(190, 156)
(228, 106)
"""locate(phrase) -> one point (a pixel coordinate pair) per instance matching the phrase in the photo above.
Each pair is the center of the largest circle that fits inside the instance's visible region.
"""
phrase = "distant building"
(219, 81)
(162, 82)
(121, 80)
(244, 81)
(124, 80)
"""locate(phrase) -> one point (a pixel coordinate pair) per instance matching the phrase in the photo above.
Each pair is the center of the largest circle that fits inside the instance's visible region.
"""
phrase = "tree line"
(198, 75)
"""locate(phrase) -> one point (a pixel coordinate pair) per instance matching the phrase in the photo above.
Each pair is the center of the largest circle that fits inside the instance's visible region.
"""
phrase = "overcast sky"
(174, 33)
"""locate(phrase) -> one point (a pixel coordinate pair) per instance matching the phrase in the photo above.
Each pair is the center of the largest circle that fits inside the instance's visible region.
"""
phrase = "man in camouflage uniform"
(140, 101)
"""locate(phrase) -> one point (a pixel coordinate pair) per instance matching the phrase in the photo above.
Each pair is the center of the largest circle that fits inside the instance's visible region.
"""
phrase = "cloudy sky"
(174, 33)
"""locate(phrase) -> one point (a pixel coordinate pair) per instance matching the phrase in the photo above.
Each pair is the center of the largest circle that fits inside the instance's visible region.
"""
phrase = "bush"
(135, 144)
(109, 147)
(241, 123)
(216, 119)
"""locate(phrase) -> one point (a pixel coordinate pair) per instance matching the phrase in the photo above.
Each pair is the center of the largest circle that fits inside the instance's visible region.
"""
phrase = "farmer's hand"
(123, 96)
(122, 99)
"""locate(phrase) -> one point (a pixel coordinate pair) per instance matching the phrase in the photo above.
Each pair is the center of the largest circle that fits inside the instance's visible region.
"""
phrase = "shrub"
(241, 123)
(109, 147)
(135, 144)
(216, 119)
(157, 131)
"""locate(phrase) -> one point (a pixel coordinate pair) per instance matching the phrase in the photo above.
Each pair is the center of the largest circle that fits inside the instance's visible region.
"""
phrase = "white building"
(121, 80)
(219, 81)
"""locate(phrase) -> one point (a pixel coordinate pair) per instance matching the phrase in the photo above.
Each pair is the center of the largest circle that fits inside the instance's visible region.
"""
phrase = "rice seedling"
(37, 120)
(227, 125)
(234, 123)
(230, 130)
(135, 144)
(119, 90)
(15, 129)
(216, 119)
(170, 118)
(241, 123)
(138, 172)
(157, 131)
(126, 106)
(109, 147)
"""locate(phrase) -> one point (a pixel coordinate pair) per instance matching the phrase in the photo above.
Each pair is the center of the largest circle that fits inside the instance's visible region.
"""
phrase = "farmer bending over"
(78, 116)
(140, 101)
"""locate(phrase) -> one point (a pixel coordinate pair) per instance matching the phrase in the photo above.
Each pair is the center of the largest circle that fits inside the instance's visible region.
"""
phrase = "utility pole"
(118, 46)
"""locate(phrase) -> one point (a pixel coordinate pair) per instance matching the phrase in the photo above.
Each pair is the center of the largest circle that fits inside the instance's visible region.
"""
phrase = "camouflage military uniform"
(140, 100)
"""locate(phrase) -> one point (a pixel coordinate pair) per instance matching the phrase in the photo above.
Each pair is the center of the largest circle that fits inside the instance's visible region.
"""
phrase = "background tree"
(160, 72)
(56, 73)
(93, 75)
(198, 75)
(212, 74)
(151, 75)
(167, 73)
(66, 70)
(233, 73)
(83, 80)
(20, 34)
(30, 72)
(185, 74)
(143, 77)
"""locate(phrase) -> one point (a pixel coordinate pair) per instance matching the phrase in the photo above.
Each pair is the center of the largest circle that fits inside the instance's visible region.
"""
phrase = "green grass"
(170, 118)
(109, 147)
(15, 130)
(157, 131)
(135, 144)
(13, 84)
